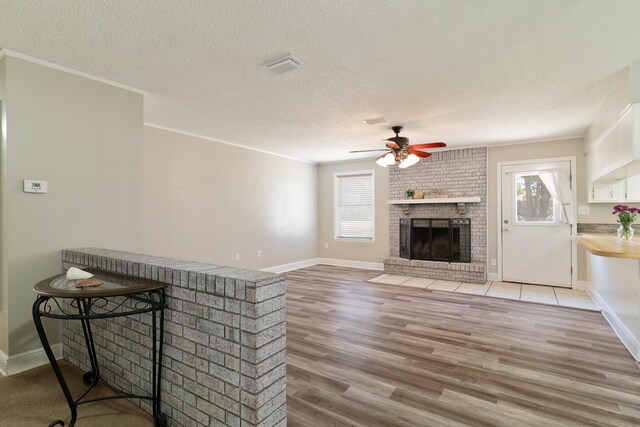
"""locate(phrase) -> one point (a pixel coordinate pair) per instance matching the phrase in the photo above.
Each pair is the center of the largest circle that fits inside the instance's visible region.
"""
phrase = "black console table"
(119, 295)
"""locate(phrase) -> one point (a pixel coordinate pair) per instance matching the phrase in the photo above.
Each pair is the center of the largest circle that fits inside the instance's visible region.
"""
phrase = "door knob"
(506, 221)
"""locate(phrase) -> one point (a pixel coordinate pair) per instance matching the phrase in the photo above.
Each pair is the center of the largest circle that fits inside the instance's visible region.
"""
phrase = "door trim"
(574, 181)
(4, 276)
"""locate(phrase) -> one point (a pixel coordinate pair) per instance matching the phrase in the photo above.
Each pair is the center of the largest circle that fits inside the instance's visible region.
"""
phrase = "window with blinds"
(354, 205)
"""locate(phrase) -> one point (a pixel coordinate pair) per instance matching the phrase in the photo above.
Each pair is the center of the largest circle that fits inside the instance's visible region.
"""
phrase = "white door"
(536, 242)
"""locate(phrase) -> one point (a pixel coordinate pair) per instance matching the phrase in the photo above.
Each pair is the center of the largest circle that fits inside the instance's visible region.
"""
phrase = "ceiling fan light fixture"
(399, 150)
(410, 160)
(389, 159)
(386, 160)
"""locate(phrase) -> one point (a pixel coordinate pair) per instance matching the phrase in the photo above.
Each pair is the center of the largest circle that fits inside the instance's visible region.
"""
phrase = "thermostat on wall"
(34, 186)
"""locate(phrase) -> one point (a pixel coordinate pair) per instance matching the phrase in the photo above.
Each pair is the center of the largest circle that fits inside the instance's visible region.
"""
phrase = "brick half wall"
(224, 342)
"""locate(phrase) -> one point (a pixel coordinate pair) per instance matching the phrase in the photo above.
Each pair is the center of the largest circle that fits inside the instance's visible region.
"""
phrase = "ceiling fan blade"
(419, 153)
(392, 145)
(429, 145)
(365, 151)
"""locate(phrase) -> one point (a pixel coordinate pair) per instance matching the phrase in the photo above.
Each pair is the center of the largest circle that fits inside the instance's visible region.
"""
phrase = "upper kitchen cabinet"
(633, 189)
(608, 191)
(612, 143)
(617, 150)
(613, 163)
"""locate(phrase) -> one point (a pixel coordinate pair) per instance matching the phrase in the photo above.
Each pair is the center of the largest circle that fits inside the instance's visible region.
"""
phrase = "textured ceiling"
(464, 72)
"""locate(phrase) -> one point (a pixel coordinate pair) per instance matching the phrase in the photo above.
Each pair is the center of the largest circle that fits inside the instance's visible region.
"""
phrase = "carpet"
(34, 399)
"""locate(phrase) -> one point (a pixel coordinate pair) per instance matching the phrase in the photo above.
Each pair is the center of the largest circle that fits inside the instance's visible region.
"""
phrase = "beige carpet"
(34, 399)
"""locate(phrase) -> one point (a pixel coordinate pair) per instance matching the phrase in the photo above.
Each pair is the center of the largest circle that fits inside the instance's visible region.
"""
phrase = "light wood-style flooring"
(367, 354)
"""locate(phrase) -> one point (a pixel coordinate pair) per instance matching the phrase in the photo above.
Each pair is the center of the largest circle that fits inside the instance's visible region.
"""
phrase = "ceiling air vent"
(376, 121)
(285, 64)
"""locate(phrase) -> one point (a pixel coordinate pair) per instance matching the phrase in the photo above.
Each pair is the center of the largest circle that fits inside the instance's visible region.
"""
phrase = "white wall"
(356, 251)
(614, 284)
(207, 201)
(85, 138)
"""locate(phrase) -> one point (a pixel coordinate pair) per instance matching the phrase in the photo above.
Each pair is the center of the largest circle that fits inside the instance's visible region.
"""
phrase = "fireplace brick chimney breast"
(453, 173)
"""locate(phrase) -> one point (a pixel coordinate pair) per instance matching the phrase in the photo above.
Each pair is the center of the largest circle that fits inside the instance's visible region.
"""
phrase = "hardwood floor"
(370, 354)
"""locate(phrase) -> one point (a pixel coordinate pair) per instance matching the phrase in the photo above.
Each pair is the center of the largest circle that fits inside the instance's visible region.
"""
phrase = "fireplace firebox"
(436, 239)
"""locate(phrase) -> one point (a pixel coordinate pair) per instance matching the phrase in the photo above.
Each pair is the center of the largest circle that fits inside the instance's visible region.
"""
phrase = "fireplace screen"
(432, 239)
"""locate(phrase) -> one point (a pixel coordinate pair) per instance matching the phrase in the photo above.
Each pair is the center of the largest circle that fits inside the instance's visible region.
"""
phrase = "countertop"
(607, 244)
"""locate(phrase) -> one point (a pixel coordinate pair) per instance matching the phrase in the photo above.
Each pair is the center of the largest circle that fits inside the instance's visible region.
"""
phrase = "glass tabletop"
(70, 285)
(114, 285)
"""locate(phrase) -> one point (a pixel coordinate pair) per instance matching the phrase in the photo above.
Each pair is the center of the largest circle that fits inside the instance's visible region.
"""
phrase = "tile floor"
(516, 291)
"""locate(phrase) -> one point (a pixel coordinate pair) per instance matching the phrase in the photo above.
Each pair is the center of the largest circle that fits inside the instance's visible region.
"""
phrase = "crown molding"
(527, 141)
(18, 55)
(337, 162)
(195, 135)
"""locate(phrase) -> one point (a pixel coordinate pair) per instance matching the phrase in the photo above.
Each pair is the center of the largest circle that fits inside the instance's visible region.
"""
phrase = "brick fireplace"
(436, 239)
(447, 175)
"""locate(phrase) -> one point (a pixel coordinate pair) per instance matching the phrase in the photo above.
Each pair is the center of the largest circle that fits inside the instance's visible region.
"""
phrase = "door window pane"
(533, 201)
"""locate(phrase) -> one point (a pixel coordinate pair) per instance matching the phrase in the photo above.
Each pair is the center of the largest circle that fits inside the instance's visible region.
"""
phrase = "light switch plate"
(34, 186)
(584, 210)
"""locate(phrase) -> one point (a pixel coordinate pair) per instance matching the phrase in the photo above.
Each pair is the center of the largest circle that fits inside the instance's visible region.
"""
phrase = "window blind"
(354, 210)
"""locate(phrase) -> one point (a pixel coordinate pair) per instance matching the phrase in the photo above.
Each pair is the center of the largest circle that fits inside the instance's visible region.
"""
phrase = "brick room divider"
(224, 342)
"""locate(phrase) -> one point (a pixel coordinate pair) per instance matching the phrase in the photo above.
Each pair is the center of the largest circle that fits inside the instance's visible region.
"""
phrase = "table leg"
(159, 418)
(89, 378)
(54, 363)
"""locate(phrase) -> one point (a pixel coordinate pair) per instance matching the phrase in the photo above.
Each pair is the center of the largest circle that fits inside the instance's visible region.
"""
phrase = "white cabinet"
(620, 191)
(613, 164)
(615, 149)
(633, 189)
(608, 192)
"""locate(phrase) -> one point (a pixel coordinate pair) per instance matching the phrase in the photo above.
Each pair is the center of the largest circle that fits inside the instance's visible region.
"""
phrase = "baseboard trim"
(625, 335)
(3, 358)
(11, 365)
(492, 277)
(283, 268)
(351, 263)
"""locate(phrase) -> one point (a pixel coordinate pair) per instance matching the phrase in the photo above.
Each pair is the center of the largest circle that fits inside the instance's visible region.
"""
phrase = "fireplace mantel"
(460, 201)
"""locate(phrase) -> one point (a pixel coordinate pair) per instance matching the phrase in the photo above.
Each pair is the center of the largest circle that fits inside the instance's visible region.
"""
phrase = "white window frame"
(336, 190)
